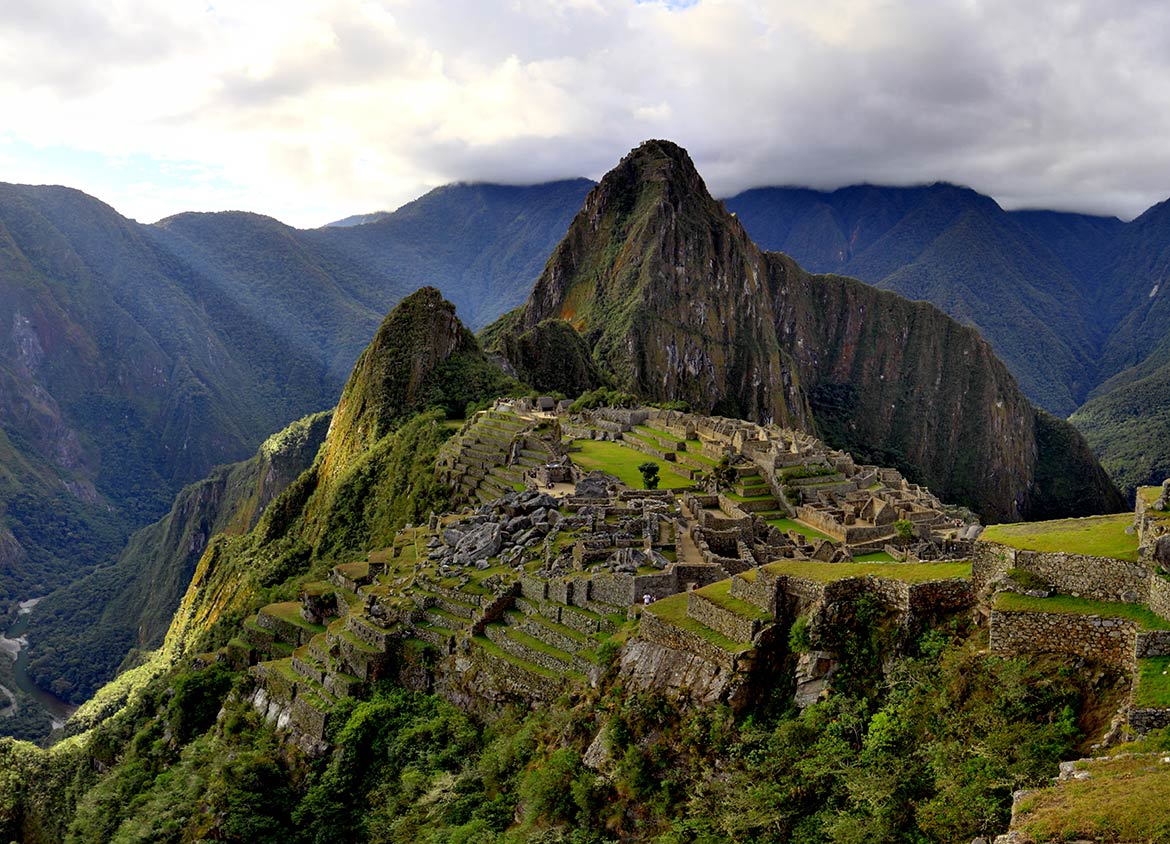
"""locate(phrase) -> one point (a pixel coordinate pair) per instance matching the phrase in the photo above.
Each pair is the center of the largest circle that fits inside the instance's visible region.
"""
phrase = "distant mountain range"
(1076, 305)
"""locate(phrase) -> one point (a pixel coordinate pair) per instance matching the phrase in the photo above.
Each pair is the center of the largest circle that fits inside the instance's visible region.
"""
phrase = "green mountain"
(675, 302)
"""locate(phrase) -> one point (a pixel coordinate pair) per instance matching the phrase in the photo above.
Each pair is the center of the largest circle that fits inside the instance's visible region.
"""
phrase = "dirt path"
(687, 550)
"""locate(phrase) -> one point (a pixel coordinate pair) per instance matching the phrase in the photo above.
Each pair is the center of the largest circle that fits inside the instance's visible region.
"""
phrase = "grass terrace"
(720, 593)
(674, 611)
(1152, 685)
(1125, 799)
(1150, 494)
(906, 572)
(622, 462)
(876, 557)
(1147, 619)
(1096, 536)
(800, 527)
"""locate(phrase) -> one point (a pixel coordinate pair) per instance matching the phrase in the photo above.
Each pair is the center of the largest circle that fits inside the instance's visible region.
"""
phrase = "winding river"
(13, 641)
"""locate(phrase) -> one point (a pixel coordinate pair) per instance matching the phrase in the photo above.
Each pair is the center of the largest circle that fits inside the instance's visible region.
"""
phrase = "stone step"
(528, 648)
(436, 635)
(426, 599)
(446, 620)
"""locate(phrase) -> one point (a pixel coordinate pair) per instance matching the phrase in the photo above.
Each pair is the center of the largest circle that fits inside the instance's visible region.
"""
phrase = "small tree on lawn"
(649, 471)
(905, 530)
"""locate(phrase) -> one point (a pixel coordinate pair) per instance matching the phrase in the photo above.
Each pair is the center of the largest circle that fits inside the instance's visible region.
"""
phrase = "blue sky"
(317, 109)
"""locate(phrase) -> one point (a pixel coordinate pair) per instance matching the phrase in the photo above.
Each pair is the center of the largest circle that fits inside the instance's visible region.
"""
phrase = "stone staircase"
(492, 456)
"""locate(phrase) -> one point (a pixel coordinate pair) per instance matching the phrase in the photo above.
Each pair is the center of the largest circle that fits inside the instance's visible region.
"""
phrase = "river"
(13, 642)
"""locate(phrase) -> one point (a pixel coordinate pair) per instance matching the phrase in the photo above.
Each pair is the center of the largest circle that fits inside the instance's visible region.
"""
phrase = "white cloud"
(317, 109)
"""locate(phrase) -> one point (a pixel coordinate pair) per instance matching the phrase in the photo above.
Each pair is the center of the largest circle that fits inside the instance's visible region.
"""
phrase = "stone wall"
(1108, 640)
(821, 521)
(1152, 643)
(1159, 597)
(655, 630)
(940, 596)
(734, 627)
(1144, 720)
(1098, 578)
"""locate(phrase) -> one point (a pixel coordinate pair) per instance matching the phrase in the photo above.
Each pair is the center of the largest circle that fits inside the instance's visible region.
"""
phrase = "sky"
(312, 111)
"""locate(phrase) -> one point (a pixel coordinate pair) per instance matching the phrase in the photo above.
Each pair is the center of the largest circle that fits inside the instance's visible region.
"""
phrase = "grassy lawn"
(674, 611)
(1012, 601)
(1153, 683)
(876, 557)
(907, 572)
(800, 527)
(1124, 800)
(657, 432)
(622, 461)
(1097, 536)
(735, 496)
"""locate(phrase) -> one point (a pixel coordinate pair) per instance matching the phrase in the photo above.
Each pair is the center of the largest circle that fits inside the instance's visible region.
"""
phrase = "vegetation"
(1124, 799)
(1145, 618)
(649, 471)
(907, 572)
(622, 462)
(1152, 687)
(1097, 536)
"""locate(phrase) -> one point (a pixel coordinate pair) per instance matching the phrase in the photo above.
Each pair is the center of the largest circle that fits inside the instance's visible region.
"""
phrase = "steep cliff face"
(676, 302)
(669, 293)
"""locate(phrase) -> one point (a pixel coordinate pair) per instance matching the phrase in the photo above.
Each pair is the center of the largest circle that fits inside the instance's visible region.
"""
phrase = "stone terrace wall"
(941, 596)
(1099, 578)
(1159, 597)
(1152, 643)
(1144, 720)
(1108, 640)
(733, 626)
(655, 630)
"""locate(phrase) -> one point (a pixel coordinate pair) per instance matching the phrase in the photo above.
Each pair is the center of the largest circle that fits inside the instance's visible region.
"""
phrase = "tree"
(905, 530)
(649, 471)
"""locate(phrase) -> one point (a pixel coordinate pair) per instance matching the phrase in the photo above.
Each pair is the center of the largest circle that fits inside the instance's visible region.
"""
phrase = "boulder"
(479, 544)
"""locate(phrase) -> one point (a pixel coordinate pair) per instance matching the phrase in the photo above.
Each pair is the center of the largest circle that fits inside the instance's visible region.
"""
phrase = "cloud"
(322, 108)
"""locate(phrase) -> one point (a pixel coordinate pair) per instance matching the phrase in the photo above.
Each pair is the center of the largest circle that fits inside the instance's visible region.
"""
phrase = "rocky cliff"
(675, 302)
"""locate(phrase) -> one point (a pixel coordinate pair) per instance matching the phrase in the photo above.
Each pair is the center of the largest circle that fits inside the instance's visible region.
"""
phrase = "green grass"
(674, 611)
(1125, 799)
(657, 432)
(1152, 686)
(495, 650)
(1150, 494)
(1095, 536)
(876, 557)
(1015, 602)
(622, 462)
(290, 611)
(720, 593)
(906, 572)
(798, 526)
